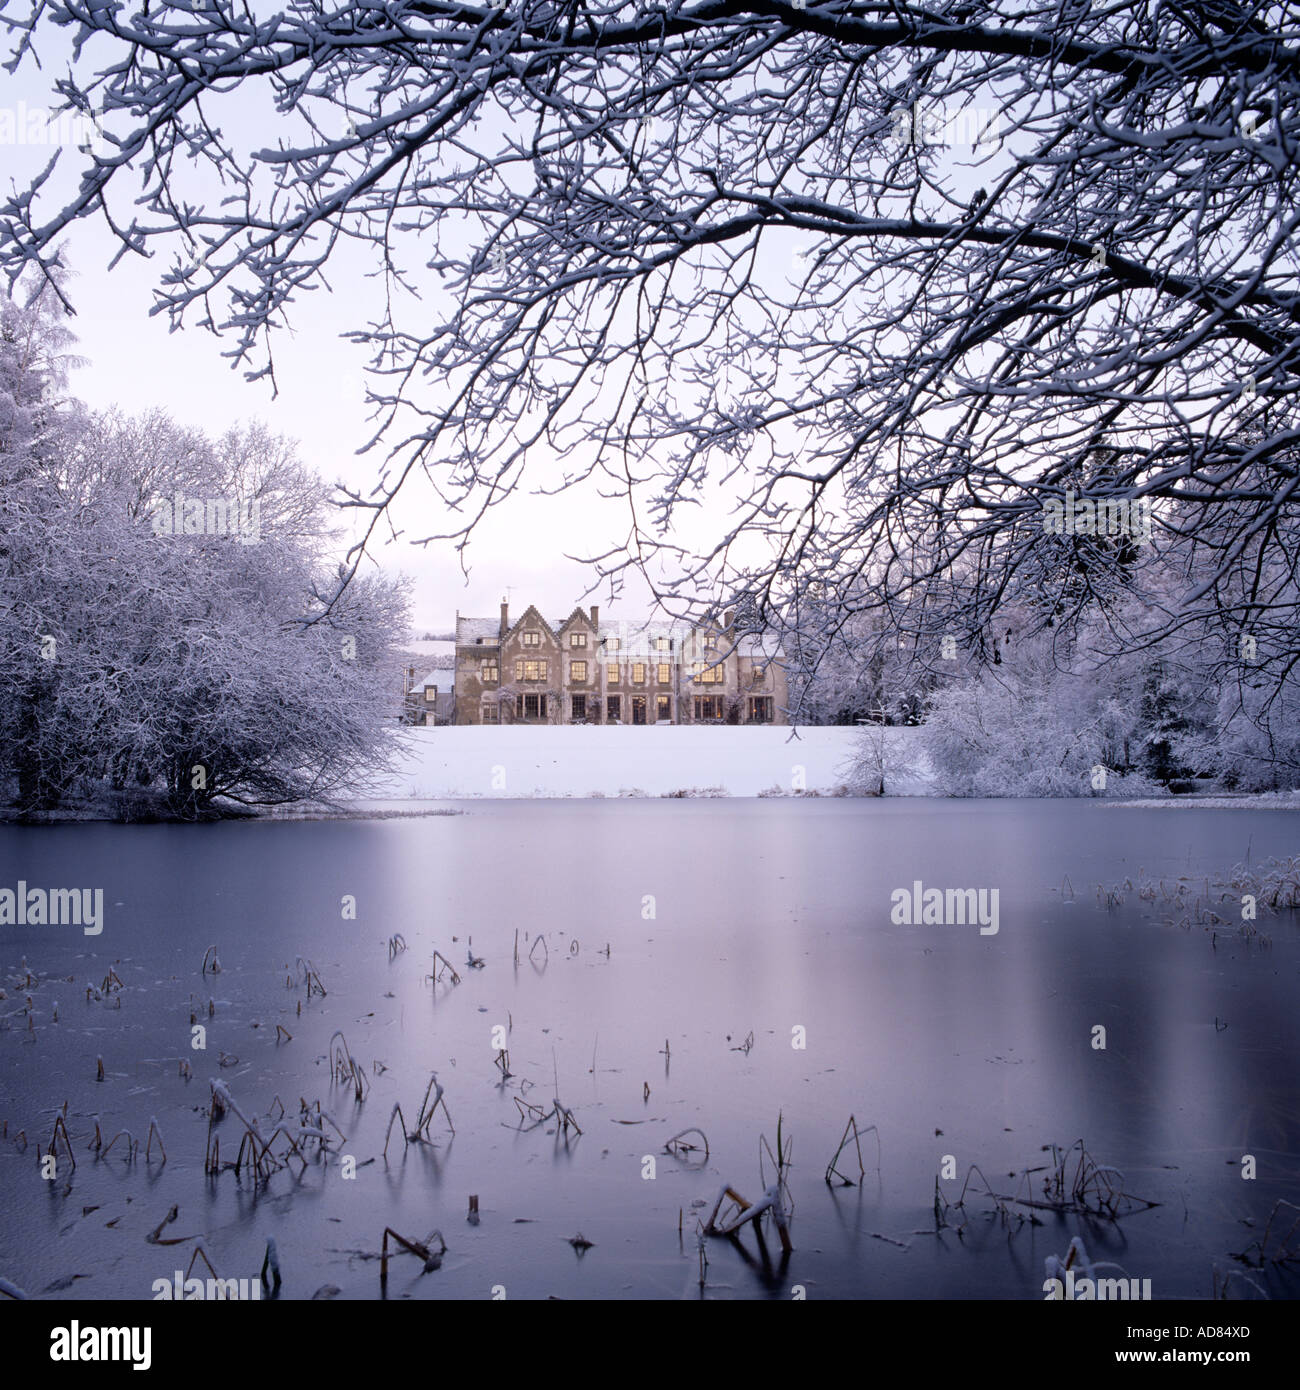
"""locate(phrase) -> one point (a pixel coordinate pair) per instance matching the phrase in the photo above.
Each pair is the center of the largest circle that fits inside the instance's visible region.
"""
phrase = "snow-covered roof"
(760, 648)
(634, 634)
(469, 630)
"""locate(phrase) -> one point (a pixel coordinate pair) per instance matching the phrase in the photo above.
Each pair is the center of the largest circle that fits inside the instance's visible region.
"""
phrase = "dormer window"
(578, 640)
(532, 639)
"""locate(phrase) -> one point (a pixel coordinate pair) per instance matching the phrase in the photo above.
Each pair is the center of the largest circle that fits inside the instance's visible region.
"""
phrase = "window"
(708, 707)
(664, 675)
(530, 706)
(577, 670)
(662, 644)
(578, 640)
(710, 644)
(491, 715)
(532, 639)
(430, 693)
(663, 707)
(612, 644)
(707, 675)
(611, 676)
(488, 671)
(530, 670)
(579, 707)
(760, 709)
(638, 673)
(612, 707)
(760, 674)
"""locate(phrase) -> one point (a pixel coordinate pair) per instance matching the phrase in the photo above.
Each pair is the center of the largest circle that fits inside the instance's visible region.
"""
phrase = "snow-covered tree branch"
(898, 280)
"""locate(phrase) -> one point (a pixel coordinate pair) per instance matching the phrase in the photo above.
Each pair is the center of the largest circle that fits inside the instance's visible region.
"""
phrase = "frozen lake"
(768, 916)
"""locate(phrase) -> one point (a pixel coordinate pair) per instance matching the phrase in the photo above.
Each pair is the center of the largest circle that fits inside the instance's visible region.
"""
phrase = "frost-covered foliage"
(1254, 743)
(887, 275)
(882, 759)
(1030, 728)
(142, 670)
(851, 672)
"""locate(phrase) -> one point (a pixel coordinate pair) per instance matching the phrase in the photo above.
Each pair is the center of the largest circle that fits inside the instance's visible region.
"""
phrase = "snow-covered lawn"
(602, 760)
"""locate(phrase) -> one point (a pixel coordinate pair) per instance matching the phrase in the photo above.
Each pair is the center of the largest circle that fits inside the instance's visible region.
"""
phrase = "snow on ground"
(1246, 801)
(622, 760)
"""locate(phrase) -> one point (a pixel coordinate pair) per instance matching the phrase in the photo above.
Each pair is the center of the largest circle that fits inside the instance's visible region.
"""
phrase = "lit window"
(490, 713)
(532, 639)
(488, 671)
(578, 640)
(664, 675)
(530, 670)
(662, 644)
(577, 670)
(638, 673)
(707, 675)
(612, 706)
(613, 644)
(611, 676)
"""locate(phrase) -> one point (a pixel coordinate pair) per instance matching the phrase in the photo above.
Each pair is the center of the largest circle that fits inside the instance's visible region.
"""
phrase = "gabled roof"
(523, 621)
(581, 615)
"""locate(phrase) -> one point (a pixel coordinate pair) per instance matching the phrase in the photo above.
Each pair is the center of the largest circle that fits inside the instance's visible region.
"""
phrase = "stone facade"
(575, 670)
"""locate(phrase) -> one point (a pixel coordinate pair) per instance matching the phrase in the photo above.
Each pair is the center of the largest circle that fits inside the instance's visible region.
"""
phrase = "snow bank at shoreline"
(612, 761)
(1247, 801)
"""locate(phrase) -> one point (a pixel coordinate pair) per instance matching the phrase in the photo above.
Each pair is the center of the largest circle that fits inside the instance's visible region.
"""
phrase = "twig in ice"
(851, 1131)
(678, 1145)
(432, 1258)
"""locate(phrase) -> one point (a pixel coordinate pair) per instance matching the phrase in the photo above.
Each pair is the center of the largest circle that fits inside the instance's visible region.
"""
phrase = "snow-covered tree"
(889, 273)
(174, 665)
(1030, 728)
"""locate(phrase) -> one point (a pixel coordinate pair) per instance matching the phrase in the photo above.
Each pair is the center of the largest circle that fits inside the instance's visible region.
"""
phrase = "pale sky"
(136, 363)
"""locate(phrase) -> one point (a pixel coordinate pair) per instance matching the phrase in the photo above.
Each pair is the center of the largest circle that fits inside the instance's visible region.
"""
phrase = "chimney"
(505, 617)
(595, 615)
(726, 619)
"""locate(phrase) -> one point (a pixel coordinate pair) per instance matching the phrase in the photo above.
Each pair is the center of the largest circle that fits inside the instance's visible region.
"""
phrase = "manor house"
(580, 671)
